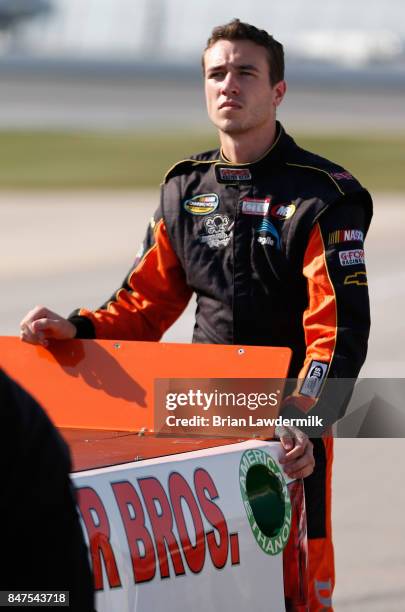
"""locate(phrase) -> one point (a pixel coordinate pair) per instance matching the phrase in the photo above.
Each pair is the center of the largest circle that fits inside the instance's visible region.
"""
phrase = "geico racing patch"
(202, 204)
(316, 374)
(352, 257)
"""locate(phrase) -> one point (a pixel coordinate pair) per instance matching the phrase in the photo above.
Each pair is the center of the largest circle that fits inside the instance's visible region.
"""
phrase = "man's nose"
(230, 85)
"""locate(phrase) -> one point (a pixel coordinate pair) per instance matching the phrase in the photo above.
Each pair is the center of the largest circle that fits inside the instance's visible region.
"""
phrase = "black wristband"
(84, 327)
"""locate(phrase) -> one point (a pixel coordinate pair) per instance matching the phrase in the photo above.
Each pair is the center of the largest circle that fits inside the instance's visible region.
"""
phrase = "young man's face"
(239, 95)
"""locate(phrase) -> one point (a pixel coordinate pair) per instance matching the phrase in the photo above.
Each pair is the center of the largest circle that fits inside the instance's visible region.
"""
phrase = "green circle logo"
(266, 500)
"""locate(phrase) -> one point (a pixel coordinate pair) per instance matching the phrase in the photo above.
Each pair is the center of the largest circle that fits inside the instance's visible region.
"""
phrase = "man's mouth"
(230, 104)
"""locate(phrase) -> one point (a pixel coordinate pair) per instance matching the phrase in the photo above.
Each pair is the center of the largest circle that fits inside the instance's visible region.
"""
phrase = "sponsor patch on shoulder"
(358, 278)
(342, 176)
(351, 258)
(225, 174)
(283, 211)
(347, 235)
(316, 374)
(202, 204)
(254, 206)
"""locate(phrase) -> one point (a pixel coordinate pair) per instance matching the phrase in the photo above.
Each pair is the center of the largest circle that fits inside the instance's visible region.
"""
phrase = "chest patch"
(253, 206)
(217, 231)
(268, 235)
(283, 211)
(202, 204)
(224, 174)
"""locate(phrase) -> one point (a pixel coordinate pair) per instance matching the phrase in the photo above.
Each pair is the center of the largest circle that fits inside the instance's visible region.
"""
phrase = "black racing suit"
(274, 252)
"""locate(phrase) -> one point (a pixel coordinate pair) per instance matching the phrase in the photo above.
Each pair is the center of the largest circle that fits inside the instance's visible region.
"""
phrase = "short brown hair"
(238, 30)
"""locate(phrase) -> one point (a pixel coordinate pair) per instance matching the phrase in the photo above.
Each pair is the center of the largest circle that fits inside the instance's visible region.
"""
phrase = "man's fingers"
(299, 435)
(39, 312)
(27, 332)
(45, 327)
(303, 473)
(303, 465)
(26, 335)
(57, 328)
(37, 332)
(286, 437)
(41, 324)
(298, 460)
(294, 441)
(297, 451)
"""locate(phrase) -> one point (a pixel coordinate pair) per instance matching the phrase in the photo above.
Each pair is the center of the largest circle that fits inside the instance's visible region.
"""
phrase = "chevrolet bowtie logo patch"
(227, 174)
(359, 278)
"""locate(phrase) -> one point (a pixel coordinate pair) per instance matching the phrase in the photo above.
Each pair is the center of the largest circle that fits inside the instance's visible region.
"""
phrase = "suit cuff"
(84, 327)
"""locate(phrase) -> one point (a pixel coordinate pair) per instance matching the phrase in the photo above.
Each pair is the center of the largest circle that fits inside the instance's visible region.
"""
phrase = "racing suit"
(274, 252)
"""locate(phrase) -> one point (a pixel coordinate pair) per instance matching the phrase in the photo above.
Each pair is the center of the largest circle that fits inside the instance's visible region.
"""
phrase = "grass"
(69, 160)
(378, 163)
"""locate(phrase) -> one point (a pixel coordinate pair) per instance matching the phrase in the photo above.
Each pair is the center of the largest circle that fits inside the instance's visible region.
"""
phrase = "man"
(270, 238)
(42, 542)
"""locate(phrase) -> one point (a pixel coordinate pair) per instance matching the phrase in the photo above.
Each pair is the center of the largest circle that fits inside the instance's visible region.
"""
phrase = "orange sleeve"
(151, 298)
(320, 317)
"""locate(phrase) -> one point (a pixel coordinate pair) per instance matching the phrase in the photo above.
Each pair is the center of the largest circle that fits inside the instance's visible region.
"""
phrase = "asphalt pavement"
(56, 101)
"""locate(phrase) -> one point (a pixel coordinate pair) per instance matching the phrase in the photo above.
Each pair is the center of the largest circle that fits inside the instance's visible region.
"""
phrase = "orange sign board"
(104, 384)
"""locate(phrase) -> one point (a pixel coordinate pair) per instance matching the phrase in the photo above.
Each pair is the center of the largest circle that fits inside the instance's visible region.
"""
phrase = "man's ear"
(279, 91)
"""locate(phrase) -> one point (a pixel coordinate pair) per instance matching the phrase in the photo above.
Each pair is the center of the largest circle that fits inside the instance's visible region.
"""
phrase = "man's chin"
(231, 127)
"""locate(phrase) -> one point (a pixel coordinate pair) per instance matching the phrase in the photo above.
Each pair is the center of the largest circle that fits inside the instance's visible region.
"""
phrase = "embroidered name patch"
(225, 174)
(254, 206)
(203, 204)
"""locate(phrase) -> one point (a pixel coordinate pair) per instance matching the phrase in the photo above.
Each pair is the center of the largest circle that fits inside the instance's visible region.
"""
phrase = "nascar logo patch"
(202, 204)
(349, 235)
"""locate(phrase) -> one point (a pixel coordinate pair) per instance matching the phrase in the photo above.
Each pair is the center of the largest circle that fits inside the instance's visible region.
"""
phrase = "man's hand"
(41, 324)
(298, 460)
